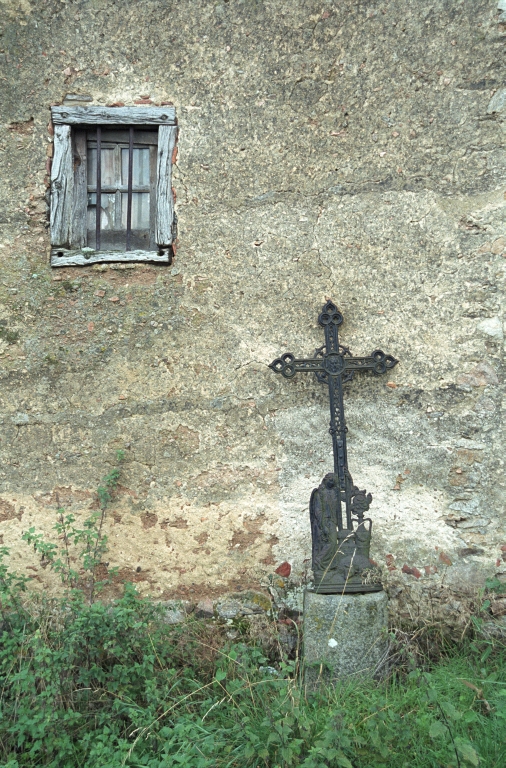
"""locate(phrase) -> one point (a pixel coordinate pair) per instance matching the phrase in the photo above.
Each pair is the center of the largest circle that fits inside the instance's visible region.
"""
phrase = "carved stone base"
(344, 636)
(339, 587)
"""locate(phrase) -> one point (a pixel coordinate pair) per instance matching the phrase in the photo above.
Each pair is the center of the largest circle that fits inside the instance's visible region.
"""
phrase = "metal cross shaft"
(333, 365)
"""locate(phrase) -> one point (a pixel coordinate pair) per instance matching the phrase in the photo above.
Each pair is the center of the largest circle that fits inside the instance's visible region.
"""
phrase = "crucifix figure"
(341, 536)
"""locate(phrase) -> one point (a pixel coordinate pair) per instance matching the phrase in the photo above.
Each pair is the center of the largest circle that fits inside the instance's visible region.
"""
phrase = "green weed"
(89, 542)
(85, 684)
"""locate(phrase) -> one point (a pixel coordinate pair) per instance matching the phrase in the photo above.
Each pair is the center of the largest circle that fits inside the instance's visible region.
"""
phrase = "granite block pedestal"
(345, 637)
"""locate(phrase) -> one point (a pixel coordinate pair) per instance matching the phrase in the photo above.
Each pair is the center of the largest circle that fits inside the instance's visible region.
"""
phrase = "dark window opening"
(126, 177)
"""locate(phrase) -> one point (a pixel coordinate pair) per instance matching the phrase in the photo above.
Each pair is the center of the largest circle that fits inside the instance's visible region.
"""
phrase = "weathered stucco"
(327, 150)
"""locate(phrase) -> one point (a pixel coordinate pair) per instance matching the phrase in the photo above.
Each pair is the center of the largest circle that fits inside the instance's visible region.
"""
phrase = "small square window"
(111, 185)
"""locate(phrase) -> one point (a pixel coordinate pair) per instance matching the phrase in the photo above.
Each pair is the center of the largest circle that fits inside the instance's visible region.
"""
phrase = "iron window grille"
(111, 185)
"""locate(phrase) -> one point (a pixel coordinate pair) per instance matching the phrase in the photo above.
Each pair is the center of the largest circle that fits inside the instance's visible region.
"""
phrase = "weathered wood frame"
(69, 189)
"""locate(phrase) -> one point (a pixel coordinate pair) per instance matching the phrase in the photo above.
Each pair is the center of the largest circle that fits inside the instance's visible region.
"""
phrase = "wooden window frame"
(69, 183)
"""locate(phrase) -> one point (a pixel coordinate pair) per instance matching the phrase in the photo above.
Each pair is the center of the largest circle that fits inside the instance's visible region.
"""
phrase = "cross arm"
(378, 362)
(287, 365)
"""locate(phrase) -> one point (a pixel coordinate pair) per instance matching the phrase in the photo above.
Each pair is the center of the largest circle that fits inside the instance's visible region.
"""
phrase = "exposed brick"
(284, 570)
(412, 571)
(443, 558)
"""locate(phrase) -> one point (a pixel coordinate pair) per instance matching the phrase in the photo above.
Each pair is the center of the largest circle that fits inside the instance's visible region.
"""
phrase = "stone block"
(229, 609)
(176, 611)
(205, 609)
(344, 636)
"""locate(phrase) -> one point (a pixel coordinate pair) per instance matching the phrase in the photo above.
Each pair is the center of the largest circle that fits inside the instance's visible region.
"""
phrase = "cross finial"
(333, 364)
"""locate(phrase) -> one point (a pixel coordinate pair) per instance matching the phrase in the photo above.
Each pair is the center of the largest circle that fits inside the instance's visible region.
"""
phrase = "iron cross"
(333, 365)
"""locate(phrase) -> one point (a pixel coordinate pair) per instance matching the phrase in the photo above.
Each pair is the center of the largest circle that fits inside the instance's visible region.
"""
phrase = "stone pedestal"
(345, 636)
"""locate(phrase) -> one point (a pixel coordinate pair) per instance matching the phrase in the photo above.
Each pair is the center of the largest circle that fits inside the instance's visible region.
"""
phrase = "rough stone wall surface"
(345, 150)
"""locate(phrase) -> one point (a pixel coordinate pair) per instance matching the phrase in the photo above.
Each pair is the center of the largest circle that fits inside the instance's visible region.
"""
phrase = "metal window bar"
(130, 184)
(99, 188)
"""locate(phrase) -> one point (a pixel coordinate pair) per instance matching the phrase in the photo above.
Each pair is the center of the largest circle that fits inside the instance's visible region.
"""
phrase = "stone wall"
(345, 150)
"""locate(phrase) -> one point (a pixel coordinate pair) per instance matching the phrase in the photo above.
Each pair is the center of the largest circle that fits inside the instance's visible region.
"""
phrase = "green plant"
(86, 684)
(89, 542)
(12, 586)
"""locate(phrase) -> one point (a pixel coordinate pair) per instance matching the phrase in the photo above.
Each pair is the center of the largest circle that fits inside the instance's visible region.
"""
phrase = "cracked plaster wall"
(346, 150)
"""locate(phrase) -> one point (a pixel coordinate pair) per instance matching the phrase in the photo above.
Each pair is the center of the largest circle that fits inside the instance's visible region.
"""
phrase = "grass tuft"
(87, 684)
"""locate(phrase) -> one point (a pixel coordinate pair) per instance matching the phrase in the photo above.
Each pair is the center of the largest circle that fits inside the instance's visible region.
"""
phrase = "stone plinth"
(344, 636)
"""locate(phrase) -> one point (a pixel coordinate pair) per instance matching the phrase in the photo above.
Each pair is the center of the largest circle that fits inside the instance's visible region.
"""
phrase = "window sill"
(83, 258)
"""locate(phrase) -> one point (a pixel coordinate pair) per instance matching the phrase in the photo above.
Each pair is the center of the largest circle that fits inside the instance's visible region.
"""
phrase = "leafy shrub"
(89, 542)
(88, 684)
(84, 684)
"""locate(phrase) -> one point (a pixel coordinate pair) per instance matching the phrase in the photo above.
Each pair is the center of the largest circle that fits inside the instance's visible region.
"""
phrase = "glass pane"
(140, 166)
(107, 156)
(92, 167)
(108, 208)
(140, 210)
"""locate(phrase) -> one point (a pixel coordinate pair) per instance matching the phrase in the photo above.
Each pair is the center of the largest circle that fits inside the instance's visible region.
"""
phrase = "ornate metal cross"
(333, 365)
